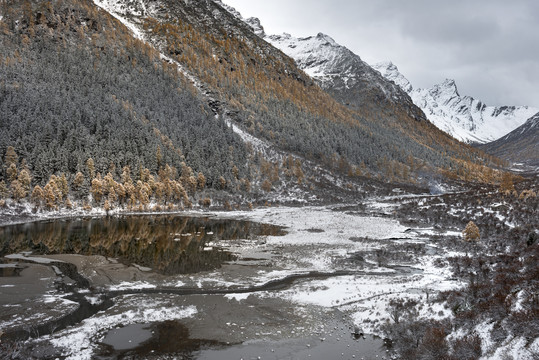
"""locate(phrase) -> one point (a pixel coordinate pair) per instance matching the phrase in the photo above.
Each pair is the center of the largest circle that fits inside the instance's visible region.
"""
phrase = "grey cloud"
(461, 30)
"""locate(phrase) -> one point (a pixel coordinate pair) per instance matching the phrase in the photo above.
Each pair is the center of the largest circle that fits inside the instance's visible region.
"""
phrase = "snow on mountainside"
(336, 69)
(520, 145)
(463, 117)
(319, 56)
(341, 72)
(390, 72)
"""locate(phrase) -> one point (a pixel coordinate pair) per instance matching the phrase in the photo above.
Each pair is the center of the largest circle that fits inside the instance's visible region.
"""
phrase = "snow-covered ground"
(79, 342)
(341, 246)
(329, 235)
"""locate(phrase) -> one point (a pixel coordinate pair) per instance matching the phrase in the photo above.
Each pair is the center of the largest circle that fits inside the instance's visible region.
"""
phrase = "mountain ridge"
(520, 146)
(463, 117)
(336, 69)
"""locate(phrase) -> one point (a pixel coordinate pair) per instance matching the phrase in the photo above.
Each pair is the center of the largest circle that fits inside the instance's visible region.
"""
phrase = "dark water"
(167, 244)
(346, 347)
(8, 270)
(171, 340)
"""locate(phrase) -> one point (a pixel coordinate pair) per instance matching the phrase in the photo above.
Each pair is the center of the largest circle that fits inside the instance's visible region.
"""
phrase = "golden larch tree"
(471, 232)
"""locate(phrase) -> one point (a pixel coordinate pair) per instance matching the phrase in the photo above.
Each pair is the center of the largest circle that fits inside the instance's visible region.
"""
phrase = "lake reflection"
(167, 244)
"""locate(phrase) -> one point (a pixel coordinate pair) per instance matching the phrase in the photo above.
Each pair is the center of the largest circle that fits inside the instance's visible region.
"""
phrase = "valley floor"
(324, 289)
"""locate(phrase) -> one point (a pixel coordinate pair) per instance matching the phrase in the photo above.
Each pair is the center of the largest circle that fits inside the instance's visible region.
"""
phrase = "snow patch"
(237, 297)
(25, 257)
(126, 285)
(79, 342)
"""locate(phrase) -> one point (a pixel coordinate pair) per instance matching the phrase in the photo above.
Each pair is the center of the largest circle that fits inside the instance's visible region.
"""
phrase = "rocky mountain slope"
(520, 145)
(343, 74)
(463, 117)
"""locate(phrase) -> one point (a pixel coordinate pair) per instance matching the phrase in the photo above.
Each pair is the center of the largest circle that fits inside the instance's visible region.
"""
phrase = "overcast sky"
(489, 47)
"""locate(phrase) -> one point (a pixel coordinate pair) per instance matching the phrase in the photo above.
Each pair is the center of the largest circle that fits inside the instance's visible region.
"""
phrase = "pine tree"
(97, 189)
(222, 182)
(49, 195)
(25, 179)
(110, 187)
(4, 191)
(126, 175)
(143, 194)
(78, 182)
(201, 181)
(63, 185)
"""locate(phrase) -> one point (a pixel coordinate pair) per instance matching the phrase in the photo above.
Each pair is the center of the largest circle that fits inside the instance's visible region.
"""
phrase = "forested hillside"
(89, 108)
(274, 100)
(75, 86)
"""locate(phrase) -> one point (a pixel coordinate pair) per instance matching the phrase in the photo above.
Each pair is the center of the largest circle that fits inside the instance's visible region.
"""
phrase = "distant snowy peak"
(391, 72)
(319, 56)
(463, 117)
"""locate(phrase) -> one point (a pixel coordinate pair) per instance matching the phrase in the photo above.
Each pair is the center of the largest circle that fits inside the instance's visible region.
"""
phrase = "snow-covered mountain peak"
(230, 9)
(318, 55)
(447, 87)
(391, 72)
(386, 66)
(464, 117)
(446, 92)
(326, 40)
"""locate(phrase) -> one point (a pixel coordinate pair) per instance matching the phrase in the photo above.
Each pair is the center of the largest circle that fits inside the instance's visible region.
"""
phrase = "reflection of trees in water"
(167, 244)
